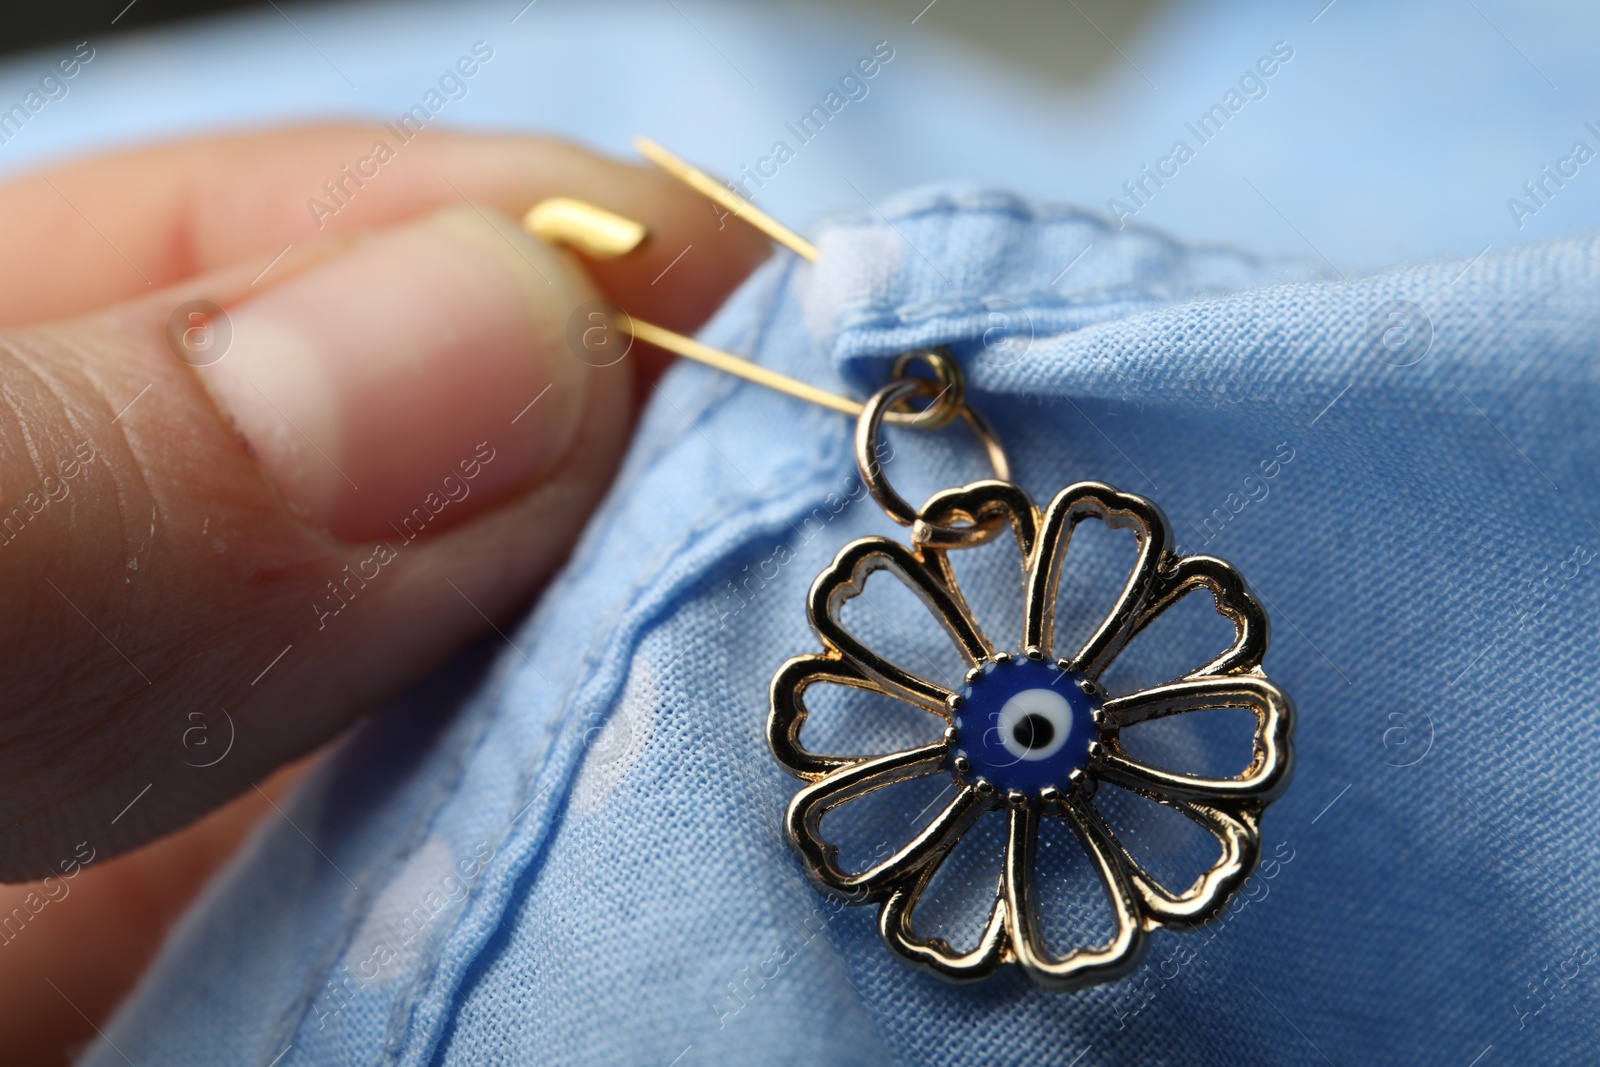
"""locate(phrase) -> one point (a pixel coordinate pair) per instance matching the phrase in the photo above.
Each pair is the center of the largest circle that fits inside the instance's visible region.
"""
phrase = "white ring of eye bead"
(1047, 704)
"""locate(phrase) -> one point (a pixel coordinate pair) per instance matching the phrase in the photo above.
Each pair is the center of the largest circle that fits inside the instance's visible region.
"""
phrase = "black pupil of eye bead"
(1034, 731)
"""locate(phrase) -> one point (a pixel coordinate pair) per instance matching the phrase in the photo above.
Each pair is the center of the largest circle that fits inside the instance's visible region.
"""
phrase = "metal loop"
(870, 425)
(944, 408)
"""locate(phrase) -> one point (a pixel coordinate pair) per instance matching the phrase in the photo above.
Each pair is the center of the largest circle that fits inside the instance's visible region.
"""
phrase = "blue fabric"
(571, 852)
(586, 864)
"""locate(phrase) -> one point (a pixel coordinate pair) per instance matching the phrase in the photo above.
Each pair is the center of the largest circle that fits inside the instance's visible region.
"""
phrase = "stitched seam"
(296, 1012)
(402, 1037)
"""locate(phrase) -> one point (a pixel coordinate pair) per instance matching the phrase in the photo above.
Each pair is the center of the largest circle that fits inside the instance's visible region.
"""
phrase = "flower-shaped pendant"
(1032, 733)
(1028, 734)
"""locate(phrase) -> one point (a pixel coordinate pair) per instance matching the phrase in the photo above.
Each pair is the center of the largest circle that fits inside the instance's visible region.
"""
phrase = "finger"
(78, 939)
(397, 447)
(119, 227)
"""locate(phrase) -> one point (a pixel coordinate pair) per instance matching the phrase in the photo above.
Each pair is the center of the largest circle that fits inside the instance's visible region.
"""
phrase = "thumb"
(224, 532)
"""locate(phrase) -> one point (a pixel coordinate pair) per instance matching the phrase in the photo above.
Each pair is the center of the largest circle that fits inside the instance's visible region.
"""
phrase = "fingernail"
(413, 380)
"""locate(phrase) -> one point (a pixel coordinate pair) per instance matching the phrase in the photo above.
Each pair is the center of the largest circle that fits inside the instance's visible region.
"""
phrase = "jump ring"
(868, 428)
(952, 396)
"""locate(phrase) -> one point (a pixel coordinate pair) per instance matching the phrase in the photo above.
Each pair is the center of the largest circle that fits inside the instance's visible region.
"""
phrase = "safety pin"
(603, 234)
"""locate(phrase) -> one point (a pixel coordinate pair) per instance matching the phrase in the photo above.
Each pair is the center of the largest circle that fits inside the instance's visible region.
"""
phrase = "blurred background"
(1390, 133)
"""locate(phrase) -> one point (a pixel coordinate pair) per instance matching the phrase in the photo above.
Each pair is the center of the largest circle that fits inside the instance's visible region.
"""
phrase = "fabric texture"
(573, 853)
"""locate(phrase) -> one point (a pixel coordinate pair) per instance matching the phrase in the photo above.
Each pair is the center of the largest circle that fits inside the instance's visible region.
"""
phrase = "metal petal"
(846, 577)
(803, 822)
(1236, 826)
(981, 507)
(1119, 511)
(788, 712)
(978, 507)
(1234, 601)
(1082, 966)
(1271, 762)
(934, 954)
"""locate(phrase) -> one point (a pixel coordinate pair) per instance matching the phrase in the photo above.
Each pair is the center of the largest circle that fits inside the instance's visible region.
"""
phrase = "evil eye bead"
(1024, 725)
(1035, 724)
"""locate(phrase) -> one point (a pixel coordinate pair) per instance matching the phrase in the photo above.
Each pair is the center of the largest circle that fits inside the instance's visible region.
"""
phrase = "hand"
(395, 446)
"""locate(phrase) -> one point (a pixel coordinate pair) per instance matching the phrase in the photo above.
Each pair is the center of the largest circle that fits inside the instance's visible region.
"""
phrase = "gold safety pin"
(603, 234)
(709, 187)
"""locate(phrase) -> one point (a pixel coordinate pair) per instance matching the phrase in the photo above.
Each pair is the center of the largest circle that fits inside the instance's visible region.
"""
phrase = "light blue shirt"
(571, 851)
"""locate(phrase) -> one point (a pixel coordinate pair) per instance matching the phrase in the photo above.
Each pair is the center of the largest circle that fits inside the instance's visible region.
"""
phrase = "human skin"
(161, 576)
